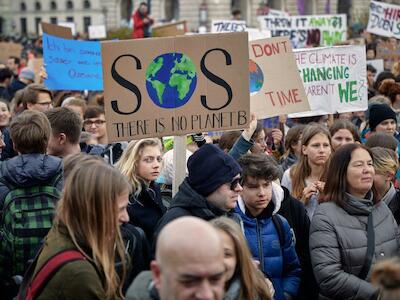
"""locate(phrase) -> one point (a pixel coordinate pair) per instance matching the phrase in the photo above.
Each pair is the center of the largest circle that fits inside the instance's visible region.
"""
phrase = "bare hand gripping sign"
(176, 85)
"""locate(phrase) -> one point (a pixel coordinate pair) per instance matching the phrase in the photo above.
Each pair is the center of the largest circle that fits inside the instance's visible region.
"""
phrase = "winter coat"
(287, 162)
(142, 288)
(146, 209)
(338, 246)
(29, 170)
(78, 278)
(294, 212)
(392, 200)
(278, 262)
(140, 29)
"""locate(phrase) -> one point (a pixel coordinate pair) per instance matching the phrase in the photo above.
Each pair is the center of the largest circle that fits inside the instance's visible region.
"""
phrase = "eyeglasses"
(234, 183)
(89, 123)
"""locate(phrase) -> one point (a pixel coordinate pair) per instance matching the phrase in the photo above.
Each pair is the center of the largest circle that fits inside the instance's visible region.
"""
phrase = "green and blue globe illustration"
(256, 77)
(171, 80)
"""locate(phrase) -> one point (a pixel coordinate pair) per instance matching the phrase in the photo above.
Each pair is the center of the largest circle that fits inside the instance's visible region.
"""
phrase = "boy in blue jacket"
(268, 234)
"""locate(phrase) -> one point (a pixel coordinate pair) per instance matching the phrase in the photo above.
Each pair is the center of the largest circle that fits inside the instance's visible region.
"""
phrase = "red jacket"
(139, 27)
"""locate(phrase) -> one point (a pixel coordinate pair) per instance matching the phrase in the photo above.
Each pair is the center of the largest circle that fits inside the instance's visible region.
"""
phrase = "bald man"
(189, 264)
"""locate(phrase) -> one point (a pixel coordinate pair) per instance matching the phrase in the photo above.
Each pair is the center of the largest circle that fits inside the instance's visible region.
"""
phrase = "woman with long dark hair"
(351, 229)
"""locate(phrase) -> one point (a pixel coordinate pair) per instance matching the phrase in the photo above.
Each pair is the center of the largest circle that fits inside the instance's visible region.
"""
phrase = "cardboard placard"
(170, 29)
(37, 63)
(70, 25)
(275, 84)
(389, 51)
(175, 85)
(219, 26)
(57, 30)
(334, 78)
(72, 65)
(303, 31)
(9, 49)
(384, 19)
(97, 32)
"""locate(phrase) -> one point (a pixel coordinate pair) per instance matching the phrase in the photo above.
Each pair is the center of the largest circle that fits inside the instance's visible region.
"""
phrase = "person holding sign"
(304, 179)
(351, 229)
(141, 164)
(141, 22)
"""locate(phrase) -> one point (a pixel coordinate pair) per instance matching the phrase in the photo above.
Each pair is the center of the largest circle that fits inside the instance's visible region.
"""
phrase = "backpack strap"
(279, 229)
(47, 271)
(370, 248)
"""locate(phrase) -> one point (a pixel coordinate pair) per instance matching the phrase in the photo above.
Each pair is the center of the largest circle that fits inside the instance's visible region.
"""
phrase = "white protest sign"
(257, 34)
(228, 26)
(334, 78)
(384, 19)
(315, 30)
(378, 65)
(97, 32)
(275, 12)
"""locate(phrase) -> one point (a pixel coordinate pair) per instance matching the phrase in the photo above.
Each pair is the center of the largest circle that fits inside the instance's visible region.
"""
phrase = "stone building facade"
(23, 16)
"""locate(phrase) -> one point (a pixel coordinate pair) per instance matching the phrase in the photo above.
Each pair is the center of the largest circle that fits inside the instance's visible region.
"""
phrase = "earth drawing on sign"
(171, 80)
(256, 77)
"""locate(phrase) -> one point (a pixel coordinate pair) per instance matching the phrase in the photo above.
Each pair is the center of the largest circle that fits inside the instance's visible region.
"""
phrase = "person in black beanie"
(210, 190)
(382, 118)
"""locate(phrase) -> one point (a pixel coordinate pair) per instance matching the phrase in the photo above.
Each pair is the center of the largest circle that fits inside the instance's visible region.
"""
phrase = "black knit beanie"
(379, 113)
(209, 168)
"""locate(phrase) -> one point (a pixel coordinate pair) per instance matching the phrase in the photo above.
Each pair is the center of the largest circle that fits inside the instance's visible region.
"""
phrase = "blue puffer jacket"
(281, 267)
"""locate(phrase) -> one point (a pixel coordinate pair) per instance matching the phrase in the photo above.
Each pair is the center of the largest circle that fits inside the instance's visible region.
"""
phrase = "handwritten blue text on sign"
(72, 65)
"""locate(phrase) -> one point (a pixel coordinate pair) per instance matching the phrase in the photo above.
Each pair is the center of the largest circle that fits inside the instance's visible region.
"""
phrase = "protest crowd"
(286, 205)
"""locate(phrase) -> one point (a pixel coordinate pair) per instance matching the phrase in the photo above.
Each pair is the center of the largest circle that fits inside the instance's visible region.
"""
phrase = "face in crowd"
(342, 137)
(96, 126)
(43, 103)
(5, 115)
(149, 164)
(360, 173)
(318, 150)
(256, 194)
(388, 126)
(189, 261)
(225, 197)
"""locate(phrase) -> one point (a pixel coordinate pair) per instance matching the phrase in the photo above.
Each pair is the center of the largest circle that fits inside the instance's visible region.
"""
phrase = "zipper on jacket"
(260, 249)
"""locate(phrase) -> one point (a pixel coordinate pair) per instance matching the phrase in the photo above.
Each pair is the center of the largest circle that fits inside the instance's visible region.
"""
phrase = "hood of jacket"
(31, 169)
(278, 195)
(189, 199)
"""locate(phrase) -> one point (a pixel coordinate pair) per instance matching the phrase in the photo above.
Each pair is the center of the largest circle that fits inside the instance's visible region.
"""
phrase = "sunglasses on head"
(233, 184)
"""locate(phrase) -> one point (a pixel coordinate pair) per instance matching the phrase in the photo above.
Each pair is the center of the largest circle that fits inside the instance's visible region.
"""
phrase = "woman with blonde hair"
(386, 165)
(92, 208)
(243, 280)
(141, 165)
(305, 179)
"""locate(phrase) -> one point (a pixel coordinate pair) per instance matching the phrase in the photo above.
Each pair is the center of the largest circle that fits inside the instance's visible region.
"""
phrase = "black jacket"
(29, 170)
(146, 209)
(394, 206)
(295, 213)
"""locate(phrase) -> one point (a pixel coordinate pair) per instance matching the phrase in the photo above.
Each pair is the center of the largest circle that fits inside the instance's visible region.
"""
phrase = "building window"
(53, 5)
(53, 20)
(86, 23)
(23, 26)
(23, 7)
(70, 19)
(37, 24)
(38, 6)
(70, 5)
(86, 4)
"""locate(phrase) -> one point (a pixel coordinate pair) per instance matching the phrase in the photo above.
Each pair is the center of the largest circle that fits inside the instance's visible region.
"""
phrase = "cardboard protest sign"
(335, 79)
(315, 30)
(70, 25)
(9, 49)
(57, 30)
(275, 84)
(170, 29)
(384, 19)
(72, 65)
(37, 63)
(175, 85)
(377, 64)
(97, 32)
(389, 51)
(228, 26)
